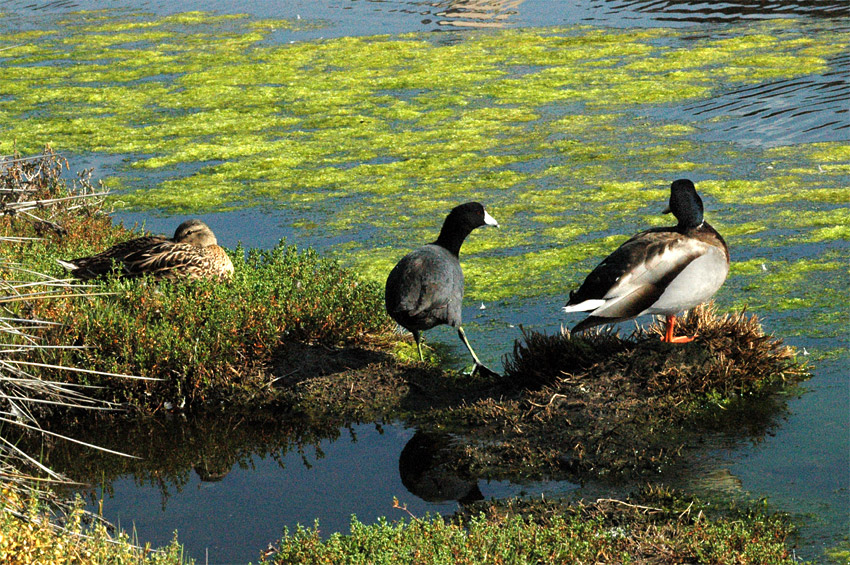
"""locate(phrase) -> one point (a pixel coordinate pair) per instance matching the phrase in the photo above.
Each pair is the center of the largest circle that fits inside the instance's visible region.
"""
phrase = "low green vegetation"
(655, 526)
(205, 339)
(202, 341)
(28, 535)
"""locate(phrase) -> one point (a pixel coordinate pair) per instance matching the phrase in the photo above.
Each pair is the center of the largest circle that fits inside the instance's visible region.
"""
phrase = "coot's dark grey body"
(425, 288)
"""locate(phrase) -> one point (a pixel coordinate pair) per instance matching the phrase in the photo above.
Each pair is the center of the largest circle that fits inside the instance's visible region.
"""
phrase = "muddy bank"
(583, 408)
(599, 405)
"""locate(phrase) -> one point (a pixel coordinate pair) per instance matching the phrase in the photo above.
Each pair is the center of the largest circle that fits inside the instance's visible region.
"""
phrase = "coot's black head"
(460, 222)
(470, 216)
(685, 204)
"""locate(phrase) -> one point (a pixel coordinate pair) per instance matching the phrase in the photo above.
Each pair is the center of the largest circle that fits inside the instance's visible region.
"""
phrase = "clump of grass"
(655, 526)
(26, 389)
(730, 356)
(33, 192)
(598, 406)
(28, 537)
(206, 339)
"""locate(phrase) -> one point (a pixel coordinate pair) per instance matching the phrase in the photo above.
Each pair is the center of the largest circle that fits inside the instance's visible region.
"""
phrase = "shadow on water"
(431, 467)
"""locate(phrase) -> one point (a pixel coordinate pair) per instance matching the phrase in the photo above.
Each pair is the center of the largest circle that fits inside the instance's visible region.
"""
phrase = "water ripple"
(807, 109)
(709, 12)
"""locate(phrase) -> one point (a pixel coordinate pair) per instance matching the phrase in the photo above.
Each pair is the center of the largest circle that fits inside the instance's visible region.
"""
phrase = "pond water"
(567, 119)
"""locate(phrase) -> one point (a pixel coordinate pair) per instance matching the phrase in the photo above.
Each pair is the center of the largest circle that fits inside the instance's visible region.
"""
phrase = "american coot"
(425, 288)
(192, 253)
(659, 271)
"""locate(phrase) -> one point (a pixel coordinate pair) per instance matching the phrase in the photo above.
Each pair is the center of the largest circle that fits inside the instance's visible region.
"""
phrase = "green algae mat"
(564, 133)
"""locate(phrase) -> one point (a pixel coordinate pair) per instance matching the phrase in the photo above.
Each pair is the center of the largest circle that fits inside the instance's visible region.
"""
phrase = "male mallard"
(192, 253)
(425, 288)
(659, 271)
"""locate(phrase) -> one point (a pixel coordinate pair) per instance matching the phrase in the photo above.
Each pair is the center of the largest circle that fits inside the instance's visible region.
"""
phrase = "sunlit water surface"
(802, 466)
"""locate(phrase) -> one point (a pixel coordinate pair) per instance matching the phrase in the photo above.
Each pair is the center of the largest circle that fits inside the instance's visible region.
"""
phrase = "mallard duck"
(425, 288)
(192, 253)
(659, 271)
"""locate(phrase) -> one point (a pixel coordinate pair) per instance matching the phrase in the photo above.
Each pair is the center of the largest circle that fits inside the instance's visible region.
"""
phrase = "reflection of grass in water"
(211, 445)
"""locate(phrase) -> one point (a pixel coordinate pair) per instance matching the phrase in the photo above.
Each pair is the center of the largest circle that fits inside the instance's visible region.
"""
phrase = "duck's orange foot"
(668, 335)
(680, 339)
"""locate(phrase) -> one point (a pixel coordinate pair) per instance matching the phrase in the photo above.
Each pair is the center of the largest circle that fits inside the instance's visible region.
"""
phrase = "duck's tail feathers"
(590, 322)
(67, 265)
(585, 306)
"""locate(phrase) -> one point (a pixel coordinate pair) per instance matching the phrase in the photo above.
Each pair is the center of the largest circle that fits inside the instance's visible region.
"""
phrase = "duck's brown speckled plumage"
(192, 253)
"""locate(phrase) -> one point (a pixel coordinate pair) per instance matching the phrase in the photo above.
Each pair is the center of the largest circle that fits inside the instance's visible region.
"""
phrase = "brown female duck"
(192, 253)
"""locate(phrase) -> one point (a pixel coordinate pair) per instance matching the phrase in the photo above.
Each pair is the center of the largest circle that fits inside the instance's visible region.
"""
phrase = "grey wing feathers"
(419, 287)
(425, 289)
(633, 278)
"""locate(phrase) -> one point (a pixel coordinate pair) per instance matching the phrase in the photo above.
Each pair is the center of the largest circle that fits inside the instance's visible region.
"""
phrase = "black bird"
(658, 271)
(425, 288)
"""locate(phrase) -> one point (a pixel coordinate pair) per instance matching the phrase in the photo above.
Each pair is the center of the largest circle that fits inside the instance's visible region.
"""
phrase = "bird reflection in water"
(211, 470)
(476, 13)
(432, 467)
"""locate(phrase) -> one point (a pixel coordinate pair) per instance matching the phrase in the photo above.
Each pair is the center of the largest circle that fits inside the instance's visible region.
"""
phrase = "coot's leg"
(479, 366)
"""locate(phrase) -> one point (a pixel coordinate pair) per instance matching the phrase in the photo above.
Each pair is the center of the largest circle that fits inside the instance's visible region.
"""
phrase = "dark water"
(229, 485)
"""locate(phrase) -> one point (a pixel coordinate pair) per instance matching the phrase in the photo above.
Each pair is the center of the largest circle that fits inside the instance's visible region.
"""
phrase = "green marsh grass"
(654, 526)
(207, 339)
(203, 340)
(29, 537)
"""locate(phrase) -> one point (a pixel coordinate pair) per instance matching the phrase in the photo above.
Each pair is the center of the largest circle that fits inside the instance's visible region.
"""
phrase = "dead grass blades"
(25, 188)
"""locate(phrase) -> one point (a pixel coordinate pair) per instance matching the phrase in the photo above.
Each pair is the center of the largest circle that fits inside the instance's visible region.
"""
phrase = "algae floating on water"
(563, 132)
